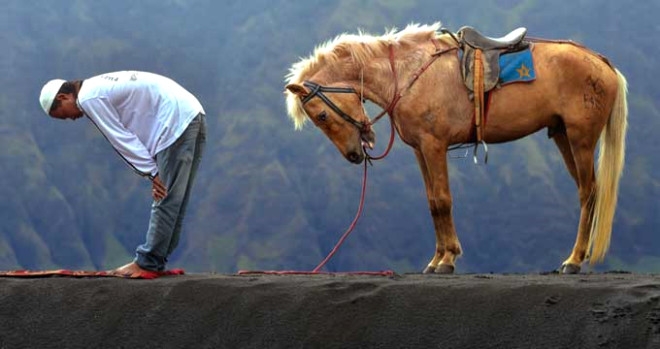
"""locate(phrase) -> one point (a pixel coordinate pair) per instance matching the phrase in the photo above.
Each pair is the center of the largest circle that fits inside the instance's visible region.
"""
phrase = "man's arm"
(125, 142)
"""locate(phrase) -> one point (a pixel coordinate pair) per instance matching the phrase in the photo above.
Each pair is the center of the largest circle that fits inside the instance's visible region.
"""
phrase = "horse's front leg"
(439, 246)
(432, 161)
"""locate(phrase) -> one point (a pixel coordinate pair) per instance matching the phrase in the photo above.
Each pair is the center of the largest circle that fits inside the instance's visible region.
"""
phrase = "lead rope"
(389, 110)
(360, 206)
(351, 227)
(348, 231)
(364, 187)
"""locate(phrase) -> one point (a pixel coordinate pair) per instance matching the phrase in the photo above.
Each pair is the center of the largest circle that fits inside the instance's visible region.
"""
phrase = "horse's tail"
(610, 166)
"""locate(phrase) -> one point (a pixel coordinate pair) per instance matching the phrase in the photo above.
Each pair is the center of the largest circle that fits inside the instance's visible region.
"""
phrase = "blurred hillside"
(272, 198)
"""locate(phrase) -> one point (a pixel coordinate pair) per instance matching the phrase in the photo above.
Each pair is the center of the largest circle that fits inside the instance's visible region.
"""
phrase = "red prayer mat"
(89, 273)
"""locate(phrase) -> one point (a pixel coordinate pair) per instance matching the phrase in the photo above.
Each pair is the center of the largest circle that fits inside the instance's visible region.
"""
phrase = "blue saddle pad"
(517, 66)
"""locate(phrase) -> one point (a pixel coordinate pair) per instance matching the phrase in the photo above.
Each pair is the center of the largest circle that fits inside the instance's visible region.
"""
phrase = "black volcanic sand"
(611, 310)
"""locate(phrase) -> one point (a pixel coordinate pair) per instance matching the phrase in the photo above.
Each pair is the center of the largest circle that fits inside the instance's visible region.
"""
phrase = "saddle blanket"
(517, 67)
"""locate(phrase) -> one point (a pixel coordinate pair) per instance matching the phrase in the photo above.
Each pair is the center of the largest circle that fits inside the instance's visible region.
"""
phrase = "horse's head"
(339, 113)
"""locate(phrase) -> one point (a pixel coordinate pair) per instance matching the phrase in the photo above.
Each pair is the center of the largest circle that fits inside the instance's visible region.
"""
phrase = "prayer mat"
(89, 273)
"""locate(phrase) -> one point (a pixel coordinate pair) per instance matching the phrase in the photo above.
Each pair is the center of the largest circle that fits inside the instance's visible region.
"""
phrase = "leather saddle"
(475, 39)
(472, 40)
(480, 68)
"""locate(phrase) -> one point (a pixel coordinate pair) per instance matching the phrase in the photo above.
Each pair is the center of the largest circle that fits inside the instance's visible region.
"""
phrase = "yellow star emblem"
(523, 71)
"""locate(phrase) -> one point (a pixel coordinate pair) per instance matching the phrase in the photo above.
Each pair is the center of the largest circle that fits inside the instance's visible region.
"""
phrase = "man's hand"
(158, 190)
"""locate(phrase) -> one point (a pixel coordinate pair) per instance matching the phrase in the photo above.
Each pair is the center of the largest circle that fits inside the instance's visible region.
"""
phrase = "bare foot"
(130, 270)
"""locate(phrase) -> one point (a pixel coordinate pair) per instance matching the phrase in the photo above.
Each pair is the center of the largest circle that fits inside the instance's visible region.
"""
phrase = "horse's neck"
(386, 80)
(387, 73)
(371, 82)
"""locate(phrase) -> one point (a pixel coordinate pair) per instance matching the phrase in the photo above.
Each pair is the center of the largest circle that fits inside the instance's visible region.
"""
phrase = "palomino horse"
(415, 76)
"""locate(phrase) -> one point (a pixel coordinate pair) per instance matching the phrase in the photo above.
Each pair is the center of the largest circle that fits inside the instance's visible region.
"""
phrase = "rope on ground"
(348, 231)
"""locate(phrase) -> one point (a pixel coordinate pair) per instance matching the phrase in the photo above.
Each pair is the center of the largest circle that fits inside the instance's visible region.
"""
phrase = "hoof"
(429, 270)
(444, 269)
(570, 269)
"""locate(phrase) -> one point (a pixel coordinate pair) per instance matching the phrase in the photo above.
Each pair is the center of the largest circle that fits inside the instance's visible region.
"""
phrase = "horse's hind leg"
(565, 149)
(578, 153)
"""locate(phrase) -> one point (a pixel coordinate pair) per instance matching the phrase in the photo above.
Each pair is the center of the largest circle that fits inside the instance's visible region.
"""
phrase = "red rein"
(390, 111)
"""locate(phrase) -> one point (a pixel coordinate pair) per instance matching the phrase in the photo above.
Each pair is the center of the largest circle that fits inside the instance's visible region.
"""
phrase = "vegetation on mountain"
(269, 197)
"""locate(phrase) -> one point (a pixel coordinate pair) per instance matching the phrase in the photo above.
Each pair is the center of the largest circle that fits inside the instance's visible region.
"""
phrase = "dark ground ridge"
(546, 310)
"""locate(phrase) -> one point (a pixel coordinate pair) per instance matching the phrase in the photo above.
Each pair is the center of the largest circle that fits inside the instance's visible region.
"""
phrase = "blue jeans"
(177, 167)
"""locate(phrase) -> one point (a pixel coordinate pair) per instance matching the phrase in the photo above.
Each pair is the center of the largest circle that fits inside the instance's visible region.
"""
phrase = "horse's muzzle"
(355, 157)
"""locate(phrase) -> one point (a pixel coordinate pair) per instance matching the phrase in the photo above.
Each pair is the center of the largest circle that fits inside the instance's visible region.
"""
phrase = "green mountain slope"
(269, 197)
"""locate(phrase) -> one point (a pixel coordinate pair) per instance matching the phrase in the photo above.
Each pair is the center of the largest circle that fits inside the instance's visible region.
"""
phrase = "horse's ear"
(297, 89)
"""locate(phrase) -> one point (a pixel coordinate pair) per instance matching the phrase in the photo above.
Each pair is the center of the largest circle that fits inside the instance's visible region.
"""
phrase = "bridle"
(318, 91)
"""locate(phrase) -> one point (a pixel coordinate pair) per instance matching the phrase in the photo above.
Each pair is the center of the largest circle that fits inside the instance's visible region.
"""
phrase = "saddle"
(480, 64)
(472, 41)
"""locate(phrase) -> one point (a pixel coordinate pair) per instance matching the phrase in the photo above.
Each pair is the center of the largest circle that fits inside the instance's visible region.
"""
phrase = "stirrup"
(476, 148)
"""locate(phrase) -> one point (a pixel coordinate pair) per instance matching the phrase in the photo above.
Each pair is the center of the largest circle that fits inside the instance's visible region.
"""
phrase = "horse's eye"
(322, 116)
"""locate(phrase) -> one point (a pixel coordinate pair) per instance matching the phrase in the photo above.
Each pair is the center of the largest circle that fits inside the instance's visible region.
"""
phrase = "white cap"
(49, 92)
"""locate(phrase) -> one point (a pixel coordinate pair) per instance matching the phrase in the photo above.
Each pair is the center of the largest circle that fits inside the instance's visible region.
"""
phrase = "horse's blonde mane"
(362, 47)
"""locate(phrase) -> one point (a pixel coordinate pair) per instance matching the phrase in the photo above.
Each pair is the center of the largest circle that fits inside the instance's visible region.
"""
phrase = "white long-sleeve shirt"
(139, 113)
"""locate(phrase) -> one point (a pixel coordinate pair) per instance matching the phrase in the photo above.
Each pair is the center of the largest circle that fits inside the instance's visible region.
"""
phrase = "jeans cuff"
(150, 262)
